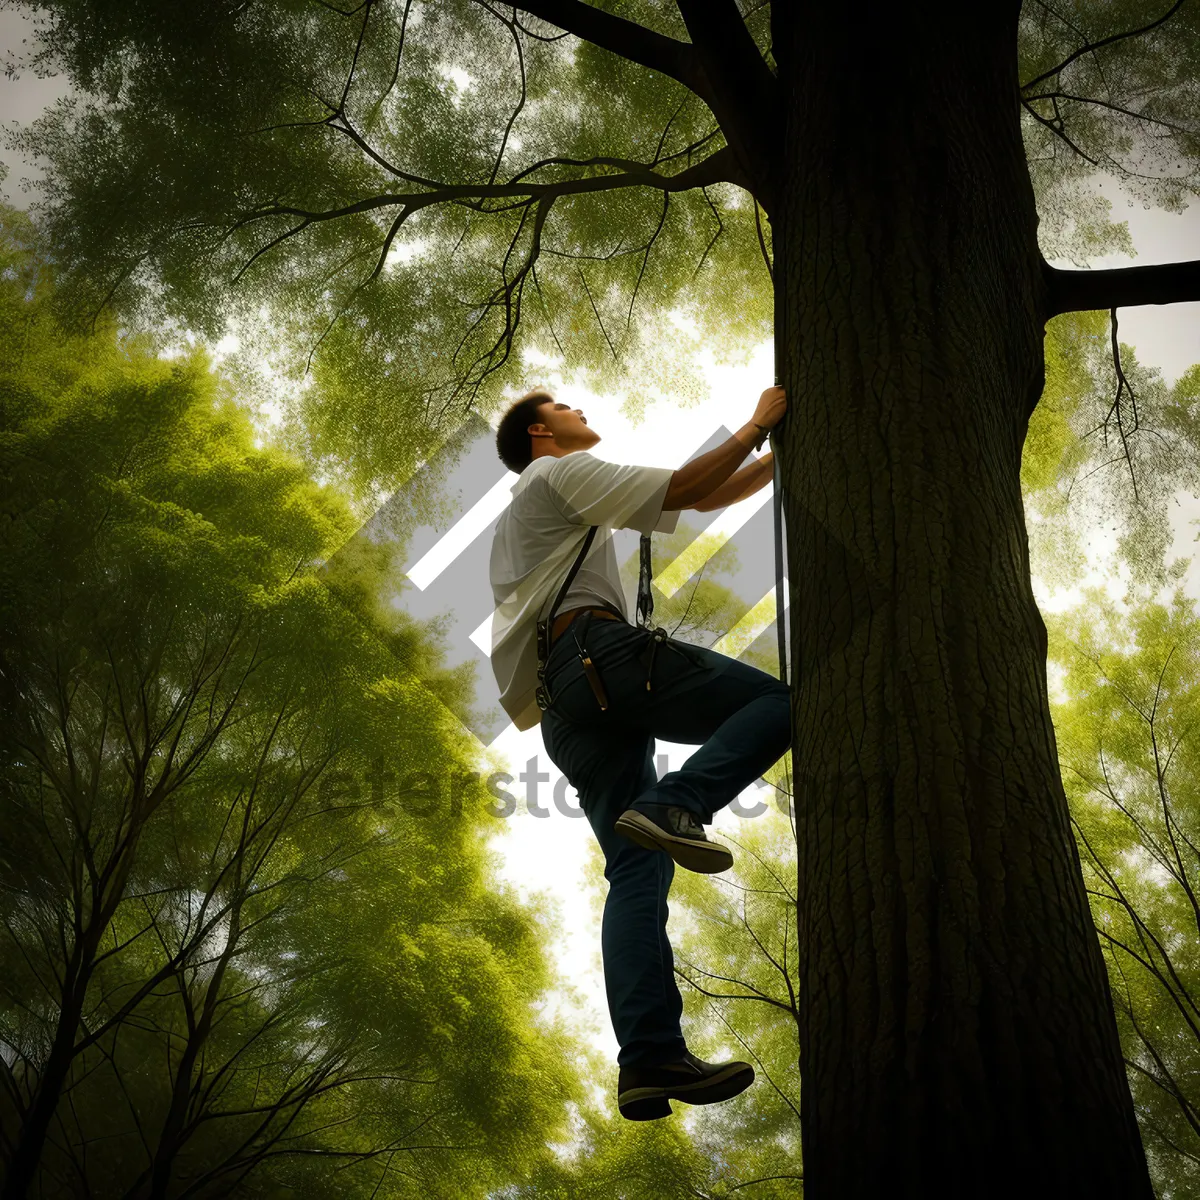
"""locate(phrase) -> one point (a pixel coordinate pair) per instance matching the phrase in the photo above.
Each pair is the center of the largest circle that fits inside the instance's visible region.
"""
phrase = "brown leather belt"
(562, 620)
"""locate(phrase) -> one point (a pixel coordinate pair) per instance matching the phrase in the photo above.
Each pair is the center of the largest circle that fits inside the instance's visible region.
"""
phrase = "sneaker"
(678, 832)
(645, 1093)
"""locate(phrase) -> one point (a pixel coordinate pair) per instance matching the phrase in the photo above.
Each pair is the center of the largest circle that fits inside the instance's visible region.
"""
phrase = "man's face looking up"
(561, 430)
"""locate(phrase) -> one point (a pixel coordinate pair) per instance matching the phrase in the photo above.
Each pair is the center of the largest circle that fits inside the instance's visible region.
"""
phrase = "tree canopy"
(412, 194)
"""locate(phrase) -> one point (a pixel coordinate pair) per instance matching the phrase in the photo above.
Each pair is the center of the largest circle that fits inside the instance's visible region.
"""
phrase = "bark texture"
(957, 1033)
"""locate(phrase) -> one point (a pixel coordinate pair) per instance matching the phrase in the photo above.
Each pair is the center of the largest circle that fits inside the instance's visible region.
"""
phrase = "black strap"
(780, 297)
(781, 633)
(645, 601)
(781, 329)
(645, 609)
(566, 583)
(543, 627)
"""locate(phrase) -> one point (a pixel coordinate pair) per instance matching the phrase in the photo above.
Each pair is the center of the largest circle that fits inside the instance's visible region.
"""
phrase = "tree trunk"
(31, 1137)
(957, 1033)
(106, 885)
(174, 1133)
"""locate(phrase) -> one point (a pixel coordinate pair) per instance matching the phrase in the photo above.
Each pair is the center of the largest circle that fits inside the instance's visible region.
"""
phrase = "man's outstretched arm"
(750, 479)
(696, 482)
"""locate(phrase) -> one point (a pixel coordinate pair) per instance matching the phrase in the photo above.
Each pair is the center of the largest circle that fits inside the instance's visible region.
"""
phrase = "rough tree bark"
(957, 1033)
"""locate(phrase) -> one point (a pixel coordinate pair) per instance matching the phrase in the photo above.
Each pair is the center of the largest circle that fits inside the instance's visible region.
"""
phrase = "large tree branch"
(525, 194)
(716, 168)
(722, 66)
(626, 38)
(743, 93)
(1124, 287)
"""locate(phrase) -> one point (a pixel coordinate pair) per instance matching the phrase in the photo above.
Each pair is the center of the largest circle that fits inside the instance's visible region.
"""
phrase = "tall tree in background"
(249, 938)
(1128, 726)
(956, 1027)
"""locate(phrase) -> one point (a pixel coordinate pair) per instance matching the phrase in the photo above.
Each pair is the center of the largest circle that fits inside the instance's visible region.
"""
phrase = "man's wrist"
(748, 435)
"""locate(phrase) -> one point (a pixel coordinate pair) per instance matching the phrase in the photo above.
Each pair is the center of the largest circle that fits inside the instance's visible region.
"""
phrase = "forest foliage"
(249, 938)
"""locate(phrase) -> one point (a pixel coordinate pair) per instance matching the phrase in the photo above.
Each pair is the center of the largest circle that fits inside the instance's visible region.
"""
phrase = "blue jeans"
(743, 718)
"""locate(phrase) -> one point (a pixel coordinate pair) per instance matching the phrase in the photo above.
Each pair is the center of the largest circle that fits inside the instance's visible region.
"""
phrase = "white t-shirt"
(539, 536)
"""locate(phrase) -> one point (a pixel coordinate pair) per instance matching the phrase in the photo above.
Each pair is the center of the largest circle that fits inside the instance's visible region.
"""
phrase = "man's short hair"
(514, 444)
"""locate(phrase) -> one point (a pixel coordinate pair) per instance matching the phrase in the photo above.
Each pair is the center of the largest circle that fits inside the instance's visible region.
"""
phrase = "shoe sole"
(705, 858)
(650, 1103)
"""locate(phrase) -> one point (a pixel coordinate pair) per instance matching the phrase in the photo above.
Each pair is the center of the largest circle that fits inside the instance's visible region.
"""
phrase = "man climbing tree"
(600, 711)
(420, 191)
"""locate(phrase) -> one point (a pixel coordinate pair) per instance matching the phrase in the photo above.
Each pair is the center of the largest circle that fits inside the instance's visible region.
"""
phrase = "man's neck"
(555, 452)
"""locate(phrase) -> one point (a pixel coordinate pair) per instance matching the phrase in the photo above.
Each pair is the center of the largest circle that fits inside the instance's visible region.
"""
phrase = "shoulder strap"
(566, 583)
(543, 626)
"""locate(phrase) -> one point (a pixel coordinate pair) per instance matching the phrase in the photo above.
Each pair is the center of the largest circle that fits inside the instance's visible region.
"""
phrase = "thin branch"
(761, 1065)
(755, 994)
(646, 258)
(396, 68)
(599, 320)
(546, 311)
(688, 607)
(667, 127)
(715, 236)
(511, 26)
(1122, 386)
(541, 37)
(625, 164)
(762, 244)
(1117, 108)
(1092, 47)
(1056, 127)
(765, 1179)
(358, 45)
